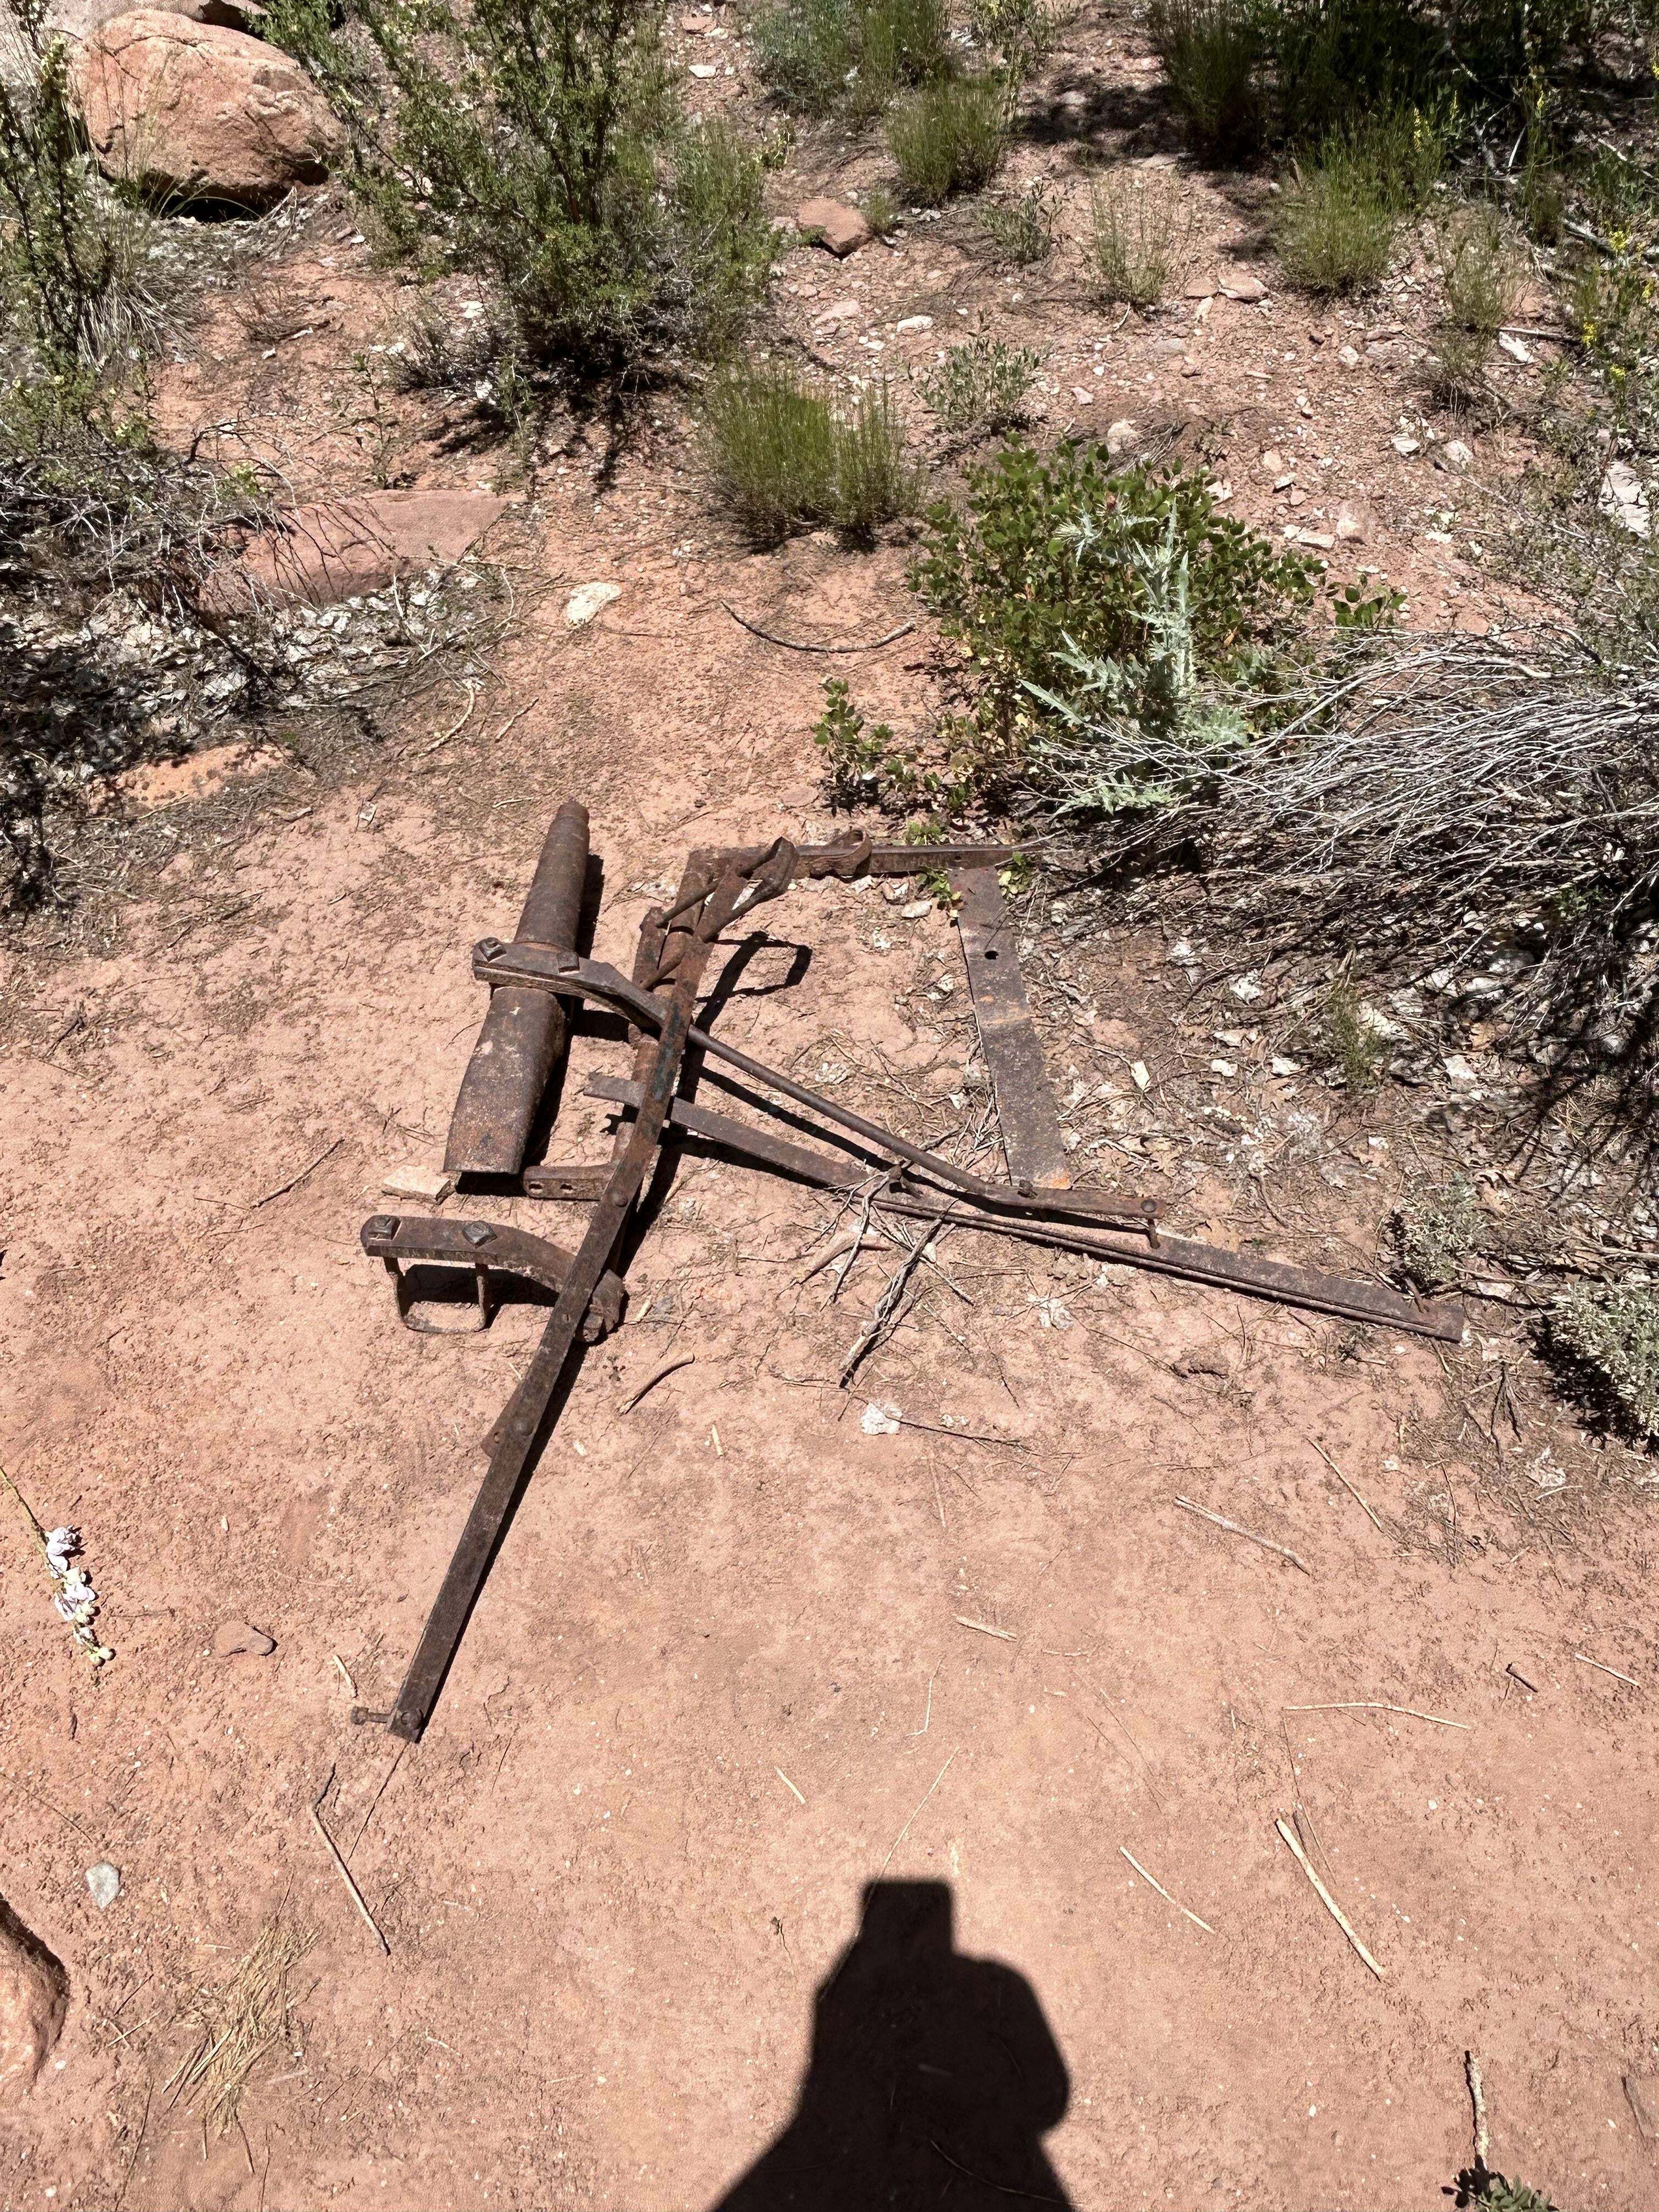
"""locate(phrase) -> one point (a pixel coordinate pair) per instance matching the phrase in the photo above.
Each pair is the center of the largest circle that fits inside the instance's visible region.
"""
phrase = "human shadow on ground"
(932, 2080)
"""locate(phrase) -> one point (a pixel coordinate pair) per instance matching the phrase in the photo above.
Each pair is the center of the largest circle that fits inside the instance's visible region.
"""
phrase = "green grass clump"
(1336, 225)
(1143, 229)
(1213, 53)
(1480, 271)
(819, 55)
(980, 385)
(950, 138)
(1022, 230)
(786, 458)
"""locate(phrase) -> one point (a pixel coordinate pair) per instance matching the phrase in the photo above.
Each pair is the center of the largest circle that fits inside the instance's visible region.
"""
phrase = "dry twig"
(1234, 1529)
(1325, 1897)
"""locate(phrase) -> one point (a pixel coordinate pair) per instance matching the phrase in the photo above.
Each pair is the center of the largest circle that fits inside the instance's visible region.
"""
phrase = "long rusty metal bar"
(524, 1033)
(1007, 1035)
(563, 971)
(518, 1432)
(1171, 1256)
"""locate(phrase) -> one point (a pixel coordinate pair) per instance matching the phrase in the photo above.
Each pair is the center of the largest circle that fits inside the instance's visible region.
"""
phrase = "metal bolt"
(478, 1232)
(383, 1224)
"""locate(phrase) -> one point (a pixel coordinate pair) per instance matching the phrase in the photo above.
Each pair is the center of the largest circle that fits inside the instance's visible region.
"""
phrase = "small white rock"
(1456, 455)
(586, 600)
(1348, 357)
(878, 1421)
(1221, 1068)
(915, 323)
(1281, 1066)
(1143, 1081)
(104, 1880)
(1403, 442)
(1120, 436)
(915, 910)
(1516, 349)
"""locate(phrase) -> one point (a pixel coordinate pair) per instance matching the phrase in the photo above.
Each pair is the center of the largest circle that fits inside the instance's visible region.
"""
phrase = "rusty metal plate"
(1013, 1052)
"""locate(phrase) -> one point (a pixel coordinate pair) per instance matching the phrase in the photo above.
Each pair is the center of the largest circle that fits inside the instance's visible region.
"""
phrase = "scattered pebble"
(586, 600)
(104, 1880)
(241, 1639)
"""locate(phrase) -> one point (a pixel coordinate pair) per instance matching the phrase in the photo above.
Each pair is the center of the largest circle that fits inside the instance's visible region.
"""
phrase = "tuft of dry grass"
(1144, 227)
(238, 2024)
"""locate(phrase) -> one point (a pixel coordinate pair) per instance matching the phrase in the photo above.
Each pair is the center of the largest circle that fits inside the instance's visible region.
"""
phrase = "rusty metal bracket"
(1007, 1035)
(424, 1257)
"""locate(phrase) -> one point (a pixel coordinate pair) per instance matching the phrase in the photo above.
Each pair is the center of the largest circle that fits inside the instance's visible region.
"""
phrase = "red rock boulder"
(194, 112)
(340, 547)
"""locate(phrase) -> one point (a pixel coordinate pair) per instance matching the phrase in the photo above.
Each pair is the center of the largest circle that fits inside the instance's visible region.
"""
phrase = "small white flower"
(62, 1545)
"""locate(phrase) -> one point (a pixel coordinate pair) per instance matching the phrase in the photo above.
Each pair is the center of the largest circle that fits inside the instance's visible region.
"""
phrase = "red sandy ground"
(607, 1912)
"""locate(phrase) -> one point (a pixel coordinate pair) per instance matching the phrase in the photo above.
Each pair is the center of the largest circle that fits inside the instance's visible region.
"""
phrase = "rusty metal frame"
(539, 977)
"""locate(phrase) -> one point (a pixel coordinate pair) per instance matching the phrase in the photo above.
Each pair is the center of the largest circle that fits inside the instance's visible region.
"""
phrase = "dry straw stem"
(1376, 1705)
(1326, 1898)
(985, 1628)
(1349, 1487)
(788, 1783)
(1164, 1893)
(1600, 1668)
(905, 1830)
(1234, 1529)
(344, 1870)
(239, 2025)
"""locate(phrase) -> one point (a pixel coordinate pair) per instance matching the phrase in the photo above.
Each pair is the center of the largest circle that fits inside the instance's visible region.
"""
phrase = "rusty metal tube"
(524, 1033)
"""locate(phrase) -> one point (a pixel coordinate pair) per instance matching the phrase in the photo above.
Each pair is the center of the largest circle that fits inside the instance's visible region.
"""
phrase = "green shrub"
(1336, 223)
(1020, 32)
(1611, 1330)
(721, 249)
(861, 762)
(1614, 307)
(821, 55)
(901, 42)
(950, 138)
(980, 385)
(71, 252)
(1061, 565)
(879, 209)
(1022, 230)
(806, 50)
(1338, 65)
(785, 456)
(1214, 55)
(537, 140)
(1144, 230)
